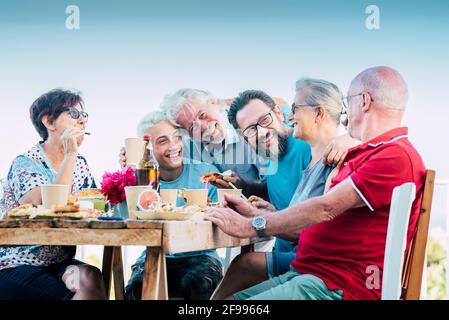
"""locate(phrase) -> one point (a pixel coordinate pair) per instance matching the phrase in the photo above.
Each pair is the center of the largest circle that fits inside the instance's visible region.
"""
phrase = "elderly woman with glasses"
(49, 272)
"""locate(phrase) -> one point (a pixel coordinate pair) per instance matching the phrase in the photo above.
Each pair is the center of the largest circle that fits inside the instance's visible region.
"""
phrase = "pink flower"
(113, 184)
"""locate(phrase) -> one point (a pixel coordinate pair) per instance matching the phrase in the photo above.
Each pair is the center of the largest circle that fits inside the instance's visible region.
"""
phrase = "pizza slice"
(210, 177)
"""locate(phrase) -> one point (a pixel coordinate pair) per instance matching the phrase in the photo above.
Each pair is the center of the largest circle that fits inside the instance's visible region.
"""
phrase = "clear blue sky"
(128, 54)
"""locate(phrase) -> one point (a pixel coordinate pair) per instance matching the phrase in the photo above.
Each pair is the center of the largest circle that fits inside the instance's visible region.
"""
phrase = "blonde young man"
(192, 275)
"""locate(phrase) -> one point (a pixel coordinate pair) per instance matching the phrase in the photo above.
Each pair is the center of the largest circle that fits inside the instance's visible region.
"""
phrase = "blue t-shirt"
(312, 185)
(284, 175)
(190, 179)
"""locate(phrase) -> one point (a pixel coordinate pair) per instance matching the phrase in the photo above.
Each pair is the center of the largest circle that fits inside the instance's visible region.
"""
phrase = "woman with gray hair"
(316, 116)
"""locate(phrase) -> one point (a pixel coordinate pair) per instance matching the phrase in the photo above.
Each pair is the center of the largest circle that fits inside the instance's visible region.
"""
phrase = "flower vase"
(121, 210)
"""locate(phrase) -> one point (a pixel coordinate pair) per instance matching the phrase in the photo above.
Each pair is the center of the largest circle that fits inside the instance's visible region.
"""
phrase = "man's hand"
(241, 206)
(122, 157)
(231, 222)
(337, 150)
(261, 204)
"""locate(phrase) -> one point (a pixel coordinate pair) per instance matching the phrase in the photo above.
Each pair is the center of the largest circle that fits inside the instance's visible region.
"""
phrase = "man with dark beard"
(261, 122)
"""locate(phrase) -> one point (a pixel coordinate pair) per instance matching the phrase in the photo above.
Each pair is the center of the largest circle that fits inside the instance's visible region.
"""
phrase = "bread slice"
(23, 211)
(67, 208)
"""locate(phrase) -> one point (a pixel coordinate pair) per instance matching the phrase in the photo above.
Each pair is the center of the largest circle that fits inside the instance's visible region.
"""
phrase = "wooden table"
(159, 236)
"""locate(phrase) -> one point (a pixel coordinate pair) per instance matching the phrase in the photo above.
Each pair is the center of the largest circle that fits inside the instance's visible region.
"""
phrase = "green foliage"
(436, 270)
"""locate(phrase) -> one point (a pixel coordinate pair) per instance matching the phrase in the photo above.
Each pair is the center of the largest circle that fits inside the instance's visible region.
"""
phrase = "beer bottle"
(148, 168)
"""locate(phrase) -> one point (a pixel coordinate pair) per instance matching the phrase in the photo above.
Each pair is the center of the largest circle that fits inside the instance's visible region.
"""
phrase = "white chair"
(401, 203)
(231, 253)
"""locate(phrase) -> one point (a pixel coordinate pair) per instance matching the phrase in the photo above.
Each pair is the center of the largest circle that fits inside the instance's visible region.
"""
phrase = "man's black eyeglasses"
(263, 122)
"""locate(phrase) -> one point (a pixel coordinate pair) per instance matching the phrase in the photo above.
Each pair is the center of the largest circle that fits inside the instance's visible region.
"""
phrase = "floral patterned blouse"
(28, 171)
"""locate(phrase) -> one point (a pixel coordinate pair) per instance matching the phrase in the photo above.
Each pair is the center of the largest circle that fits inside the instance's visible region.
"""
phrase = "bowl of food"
(93, 196)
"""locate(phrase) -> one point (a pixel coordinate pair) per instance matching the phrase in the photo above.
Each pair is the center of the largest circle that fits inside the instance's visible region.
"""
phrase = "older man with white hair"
(343, 233)
(213, 139)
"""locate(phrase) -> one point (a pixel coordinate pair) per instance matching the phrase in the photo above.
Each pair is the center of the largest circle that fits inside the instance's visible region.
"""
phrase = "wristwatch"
(259, 224)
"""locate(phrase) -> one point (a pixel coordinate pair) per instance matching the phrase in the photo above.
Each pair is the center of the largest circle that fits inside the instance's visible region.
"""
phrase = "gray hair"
(323, 93)
(149, 121)
(385, 85)
(172, 104)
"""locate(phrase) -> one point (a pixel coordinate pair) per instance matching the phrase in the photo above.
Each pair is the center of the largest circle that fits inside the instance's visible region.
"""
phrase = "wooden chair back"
(414, 261)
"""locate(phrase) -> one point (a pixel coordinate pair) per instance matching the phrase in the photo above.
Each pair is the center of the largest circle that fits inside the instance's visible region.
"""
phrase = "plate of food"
(147, 200)
(69, 211)
(88, 192)
(165, 211)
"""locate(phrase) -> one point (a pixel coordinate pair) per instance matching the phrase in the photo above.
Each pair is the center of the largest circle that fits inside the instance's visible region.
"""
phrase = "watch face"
(259, 222)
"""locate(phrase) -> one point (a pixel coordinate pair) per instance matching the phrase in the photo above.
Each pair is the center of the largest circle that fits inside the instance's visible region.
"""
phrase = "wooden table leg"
(107, 268)
(163, 286)
(154, 285)
(112, 264)
(246, 249)
(117, 271)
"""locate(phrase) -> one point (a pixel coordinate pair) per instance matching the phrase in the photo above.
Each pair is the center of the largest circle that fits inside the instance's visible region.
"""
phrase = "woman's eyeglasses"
(344, 115)
(75, 113)
(296, 106)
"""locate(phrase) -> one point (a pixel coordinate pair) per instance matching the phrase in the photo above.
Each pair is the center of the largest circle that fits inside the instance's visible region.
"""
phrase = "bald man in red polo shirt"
(342, 233)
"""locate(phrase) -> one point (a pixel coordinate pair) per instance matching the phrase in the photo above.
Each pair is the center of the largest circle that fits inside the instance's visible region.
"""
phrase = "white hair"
(323, 93)
(385, 85)
(149, 121)
(173, 103)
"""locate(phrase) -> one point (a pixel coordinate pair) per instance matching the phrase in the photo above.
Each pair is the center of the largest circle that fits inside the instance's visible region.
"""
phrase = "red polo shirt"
(344, 252)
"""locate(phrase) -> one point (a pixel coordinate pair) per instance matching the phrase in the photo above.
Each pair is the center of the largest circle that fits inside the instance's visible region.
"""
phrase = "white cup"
(135, 148)
(169, 196)
(86, 205)
(221, 193)
(54, 195)
(195, 196)
(131, 197)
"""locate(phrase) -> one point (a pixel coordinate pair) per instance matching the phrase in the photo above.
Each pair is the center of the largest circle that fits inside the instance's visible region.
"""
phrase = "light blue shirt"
(283, 183)
(311, 185)
(285, 174)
